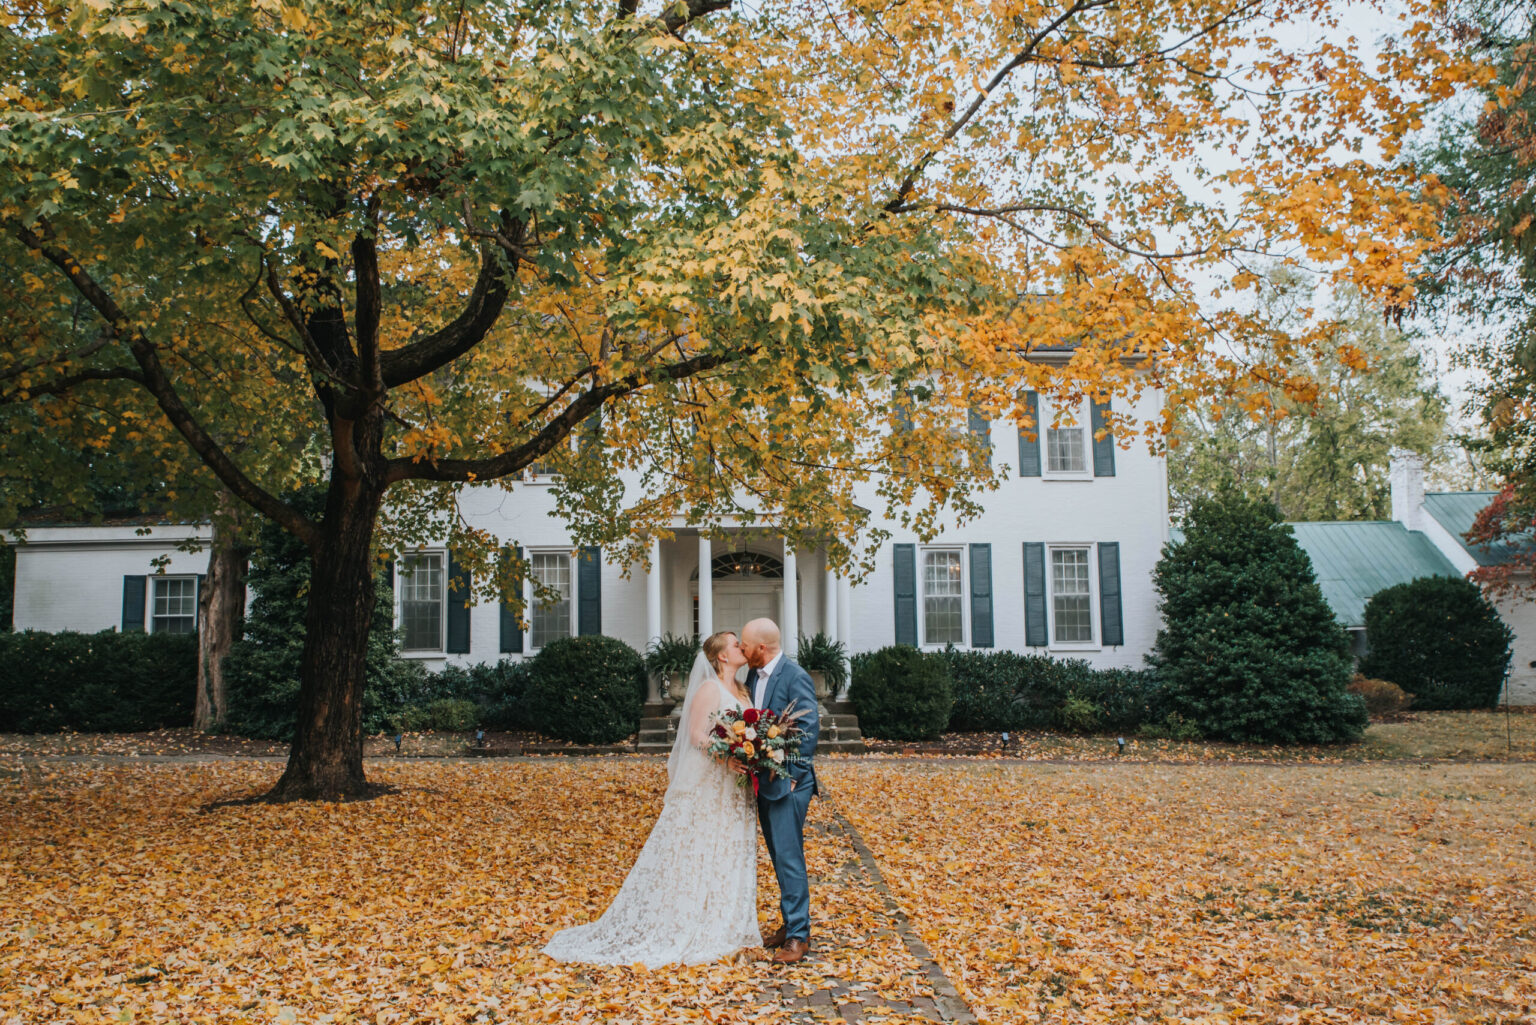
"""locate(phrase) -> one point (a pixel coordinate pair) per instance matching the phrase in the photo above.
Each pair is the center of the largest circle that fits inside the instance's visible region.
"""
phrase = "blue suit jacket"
(791, 684)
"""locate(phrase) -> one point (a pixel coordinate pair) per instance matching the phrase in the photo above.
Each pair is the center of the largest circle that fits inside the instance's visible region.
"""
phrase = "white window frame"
(1095, 610)
(442, 604)
(155, 581)
(1084, 415)
(530, 593)
(534, 476)
(922, 598)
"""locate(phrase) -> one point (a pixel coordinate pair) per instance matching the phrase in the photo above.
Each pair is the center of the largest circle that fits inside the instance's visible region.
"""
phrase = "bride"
(691, 896)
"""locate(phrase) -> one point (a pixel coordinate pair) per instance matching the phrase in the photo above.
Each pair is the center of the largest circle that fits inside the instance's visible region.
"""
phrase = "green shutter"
(1029, 447)
(981, 434)
(511, 628)
(981, 596)
(589, 591)
(458, 599)
(1103, 448)
(1036, 628)
(906, 593)
(1110, 617)
(133, 603)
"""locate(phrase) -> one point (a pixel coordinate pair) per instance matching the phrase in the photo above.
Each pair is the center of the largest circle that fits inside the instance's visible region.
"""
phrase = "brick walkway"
(849, 975)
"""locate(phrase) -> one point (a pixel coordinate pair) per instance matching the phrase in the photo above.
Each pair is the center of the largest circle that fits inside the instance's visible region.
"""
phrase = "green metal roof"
(1355, 560)
(1455, 511)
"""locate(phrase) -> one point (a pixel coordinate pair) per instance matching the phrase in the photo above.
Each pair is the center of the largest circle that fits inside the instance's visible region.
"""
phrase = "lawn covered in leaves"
(127, 899)
(1257, 893)
(1079, 893)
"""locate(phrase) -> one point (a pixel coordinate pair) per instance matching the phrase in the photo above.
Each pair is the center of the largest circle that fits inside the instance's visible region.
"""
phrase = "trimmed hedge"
(97, 683)
(494, 688)
(901, 693)
(1003, 690)
(1440, 640)
(588, 690)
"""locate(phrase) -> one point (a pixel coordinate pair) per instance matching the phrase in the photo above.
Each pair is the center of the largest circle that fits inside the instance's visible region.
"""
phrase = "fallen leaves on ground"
(1146, 893)
(128, 899)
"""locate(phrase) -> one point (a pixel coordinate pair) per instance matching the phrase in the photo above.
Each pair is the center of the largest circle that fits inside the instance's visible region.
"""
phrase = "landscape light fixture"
(1119, 745)
(398, 738)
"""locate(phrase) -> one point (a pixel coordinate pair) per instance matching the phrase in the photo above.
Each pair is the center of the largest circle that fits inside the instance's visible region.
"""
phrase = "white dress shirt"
(760, 688)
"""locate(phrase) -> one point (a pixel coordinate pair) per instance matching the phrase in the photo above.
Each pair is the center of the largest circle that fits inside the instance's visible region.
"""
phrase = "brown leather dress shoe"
(792, 951)
(775, 938)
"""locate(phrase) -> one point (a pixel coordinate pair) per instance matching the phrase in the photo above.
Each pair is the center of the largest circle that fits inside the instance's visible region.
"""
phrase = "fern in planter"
(670, 657)
(824, 655)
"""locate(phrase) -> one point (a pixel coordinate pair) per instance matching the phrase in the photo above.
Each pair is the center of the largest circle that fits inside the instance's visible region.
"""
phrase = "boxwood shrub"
(901, 693)
(587, 690)
(1440, 640)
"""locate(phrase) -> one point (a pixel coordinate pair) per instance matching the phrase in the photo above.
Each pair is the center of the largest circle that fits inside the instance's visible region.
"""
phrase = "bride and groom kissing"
(691, 896)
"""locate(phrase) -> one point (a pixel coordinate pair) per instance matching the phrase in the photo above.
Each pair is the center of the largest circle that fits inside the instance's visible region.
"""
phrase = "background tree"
(443, 239)
(1321, 456)
(1249, 650)
(1484, 152)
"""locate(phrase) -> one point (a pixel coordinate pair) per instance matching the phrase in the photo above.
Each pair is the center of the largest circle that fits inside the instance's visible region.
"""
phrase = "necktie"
(752, 685)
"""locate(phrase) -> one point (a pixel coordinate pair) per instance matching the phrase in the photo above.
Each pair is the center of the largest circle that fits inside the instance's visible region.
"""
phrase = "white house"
(1059, 563)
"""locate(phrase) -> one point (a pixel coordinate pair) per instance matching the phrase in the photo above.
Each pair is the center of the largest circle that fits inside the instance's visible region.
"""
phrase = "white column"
(845, 628)
(790, 626)
(653, 616)
(829, 602)
(706, 590)
(653, 594)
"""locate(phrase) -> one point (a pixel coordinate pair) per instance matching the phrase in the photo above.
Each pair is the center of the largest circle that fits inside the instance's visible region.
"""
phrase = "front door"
(737, 602)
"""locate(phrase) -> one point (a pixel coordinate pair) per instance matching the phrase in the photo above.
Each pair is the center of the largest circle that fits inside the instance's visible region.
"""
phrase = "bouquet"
(759, 738)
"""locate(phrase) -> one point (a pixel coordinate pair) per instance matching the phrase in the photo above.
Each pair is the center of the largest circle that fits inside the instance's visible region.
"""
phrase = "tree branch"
(493, 286)
(60, 385)
(558, 429)
(686, 11)
(365, 264)
(153, 378)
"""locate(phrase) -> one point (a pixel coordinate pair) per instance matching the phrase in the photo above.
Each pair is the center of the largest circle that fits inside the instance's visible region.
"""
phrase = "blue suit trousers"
(783, 825)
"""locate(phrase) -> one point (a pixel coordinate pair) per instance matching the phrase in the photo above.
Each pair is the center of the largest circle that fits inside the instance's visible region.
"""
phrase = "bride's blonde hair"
(714, 647)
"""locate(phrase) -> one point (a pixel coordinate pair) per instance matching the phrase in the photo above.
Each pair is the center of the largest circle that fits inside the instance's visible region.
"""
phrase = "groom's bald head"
(760, 642)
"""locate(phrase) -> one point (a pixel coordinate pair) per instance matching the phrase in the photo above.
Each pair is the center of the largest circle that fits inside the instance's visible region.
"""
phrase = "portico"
(702, 582)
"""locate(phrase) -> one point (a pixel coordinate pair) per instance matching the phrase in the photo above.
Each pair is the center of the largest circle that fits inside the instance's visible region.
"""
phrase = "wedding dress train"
(691, 896)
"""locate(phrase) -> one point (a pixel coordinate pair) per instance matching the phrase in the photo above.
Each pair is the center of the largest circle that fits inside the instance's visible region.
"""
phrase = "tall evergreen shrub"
(261, 671)
(1249, 650)
(1440, 640)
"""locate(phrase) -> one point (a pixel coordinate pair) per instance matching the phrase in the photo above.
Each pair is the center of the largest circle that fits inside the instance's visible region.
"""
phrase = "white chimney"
(1407, 477)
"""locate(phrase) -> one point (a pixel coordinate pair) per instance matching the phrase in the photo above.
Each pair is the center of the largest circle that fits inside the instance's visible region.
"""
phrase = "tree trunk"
(325, 762)
(220, 612)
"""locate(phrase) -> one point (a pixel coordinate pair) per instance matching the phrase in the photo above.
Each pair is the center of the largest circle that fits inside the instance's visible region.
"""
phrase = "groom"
(774, 683)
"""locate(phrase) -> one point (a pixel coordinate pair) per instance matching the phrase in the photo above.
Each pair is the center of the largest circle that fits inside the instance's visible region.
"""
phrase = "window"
(943, 614)
(1071, 582)
(548, 620)
(421, 601)
(546, 468)
(175, 610)
(1066, 443)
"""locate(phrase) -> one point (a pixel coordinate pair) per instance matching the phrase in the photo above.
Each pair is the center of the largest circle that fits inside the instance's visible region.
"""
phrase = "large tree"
(1320, 455)
(1484, 153)
(714, 241)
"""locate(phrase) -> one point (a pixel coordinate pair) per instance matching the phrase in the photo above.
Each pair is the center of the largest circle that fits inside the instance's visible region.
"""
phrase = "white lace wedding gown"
(691, 896)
